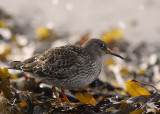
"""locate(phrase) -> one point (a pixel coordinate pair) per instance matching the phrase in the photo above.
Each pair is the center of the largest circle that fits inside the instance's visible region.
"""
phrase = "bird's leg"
(55, 93)
(65, 97)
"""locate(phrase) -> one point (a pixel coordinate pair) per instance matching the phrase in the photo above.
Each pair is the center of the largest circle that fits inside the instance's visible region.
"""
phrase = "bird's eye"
(101, 45)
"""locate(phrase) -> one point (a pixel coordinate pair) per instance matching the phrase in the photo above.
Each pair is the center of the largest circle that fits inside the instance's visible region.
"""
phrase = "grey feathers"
(58, 62)
(66, 67)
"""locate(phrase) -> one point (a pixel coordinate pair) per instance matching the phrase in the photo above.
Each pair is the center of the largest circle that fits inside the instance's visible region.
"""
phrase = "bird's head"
(100, 47)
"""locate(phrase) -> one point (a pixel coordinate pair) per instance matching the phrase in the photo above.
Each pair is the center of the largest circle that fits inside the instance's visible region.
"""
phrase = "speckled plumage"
(67, 67)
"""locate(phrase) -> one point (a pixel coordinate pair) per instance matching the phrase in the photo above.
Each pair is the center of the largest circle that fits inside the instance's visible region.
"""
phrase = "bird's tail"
(15, 65)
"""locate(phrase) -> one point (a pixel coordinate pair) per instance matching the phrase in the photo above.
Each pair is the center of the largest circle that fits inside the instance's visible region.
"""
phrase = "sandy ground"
(140, 19)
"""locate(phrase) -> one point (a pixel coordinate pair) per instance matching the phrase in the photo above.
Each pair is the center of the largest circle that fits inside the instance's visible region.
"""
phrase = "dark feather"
(60, 62)
(15, 65)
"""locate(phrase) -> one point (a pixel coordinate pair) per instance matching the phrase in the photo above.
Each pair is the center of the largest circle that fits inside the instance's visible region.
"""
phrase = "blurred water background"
(140, 19)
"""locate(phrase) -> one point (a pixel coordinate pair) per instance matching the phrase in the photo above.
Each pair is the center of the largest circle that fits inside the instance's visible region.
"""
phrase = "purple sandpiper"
(69, 66)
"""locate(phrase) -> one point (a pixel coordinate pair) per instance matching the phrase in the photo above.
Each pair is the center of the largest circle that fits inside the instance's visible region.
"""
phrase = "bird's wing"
(31, 60)
(23, 65)
(59, 62)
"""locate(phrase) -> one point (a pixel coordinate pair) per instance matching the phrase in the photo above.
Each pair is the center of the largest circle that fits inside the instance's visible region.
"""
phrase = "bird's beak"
(109, 51)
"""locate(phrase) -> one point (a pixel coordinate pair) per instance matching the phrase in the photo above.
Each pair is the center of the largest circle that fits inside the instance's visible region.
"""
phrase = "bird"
(67, 67)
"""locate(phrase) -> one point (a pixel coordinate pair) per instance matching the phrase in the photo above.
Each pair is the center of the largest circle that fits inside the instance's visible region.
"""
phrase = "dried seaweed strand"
(144, 84)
